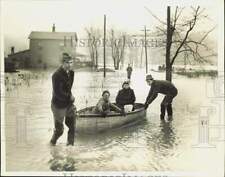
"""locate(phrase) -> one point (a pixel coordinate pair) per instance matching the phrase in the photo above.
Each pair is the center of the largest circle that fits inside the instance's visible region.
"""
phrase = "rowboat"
(89, 122)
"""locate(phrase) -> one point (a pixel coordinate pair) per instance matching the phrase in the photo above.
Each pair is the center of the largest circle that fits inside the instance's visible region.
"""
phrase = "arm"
(152, 95)
(151, 99)
(114, 107)
(58, 90)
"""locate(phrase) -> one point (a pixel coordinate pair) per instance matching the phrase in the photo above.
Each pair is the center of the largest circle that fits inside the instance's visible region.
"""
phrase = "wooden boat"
(90, 122)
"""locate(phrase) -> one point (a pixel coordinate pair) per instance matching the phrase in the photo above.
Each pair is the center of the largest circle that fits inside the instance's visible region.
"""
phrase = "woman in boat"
(125, 96)
(104, 106)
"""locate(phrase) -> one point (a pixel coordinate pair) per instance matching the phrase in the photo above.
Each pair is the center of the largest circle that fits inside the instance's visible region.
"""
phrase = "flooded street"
(151, 145)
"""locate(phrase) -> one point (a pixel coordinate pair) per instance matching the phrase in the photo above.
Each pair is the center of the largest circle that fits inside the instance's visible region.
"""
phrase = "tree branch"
(191, 26)
(161, 21)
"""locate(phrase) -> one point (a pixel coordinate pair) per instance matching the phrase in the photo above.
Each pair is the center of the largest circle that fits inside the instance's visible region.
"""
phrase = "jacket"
(62, 83)
(125, 96)
(160, 86)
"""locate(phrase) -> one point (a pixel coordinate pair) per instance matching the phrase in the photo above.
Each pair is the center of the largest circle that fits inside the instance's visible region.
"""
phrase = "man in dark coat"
(164, 87)
(62, 100)
(125, 96)
(129, 71)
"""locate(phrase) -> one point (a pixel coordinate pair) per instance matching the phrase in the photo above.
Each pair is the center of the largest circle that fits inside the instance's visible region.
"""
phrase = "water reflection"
(61, 162)
(167, 136)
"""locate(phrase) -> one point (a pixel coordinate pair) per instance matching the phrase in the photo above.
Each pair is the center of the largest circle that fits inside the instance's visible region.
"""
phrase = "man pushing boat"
(164, 87)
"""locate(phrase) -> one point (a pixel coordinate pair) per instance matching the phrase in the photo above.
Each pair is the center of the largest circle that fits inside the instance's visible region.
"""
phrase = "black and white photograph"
(128, 88)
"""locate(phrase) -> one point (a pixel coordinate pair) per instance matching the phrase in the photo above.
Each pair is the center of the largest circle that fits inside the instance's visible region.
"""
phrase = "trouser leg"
(163, 108)
(128, 75)
(58, 131)
(70, 122)
(58, 115)
(169, 109)
(169, 101)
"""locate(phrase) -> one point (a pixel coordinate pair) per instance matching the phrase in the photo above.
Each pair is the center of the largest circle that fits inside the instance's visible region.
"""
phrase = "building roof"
(20, 52)
(52, 35)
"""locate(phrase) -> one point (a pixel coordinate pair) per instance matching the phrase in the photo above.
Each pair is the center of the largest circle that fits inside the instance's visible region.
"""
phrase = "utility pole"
(104, 43)
(146, 56)
(146, 53)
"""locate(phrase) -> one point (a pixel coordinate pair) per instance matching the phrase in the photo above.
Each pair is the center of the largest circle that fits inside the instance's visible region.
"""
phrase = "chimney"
(12, 50)
(53, 28)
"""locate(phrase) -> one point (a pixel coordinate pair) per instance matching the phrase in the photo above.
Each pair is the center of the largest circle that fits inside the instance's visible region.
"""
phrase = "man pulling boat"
(164, 87)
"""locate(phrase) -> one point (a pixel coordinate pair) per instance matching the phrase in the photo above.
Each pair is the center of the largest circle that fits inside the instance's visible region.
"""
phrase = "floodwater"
(183, 145)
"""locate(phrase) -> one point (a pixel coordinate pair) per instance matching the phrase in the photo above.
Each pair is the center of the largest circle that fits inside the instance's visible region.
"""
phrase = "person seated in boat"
(125, 96)
(104, 106)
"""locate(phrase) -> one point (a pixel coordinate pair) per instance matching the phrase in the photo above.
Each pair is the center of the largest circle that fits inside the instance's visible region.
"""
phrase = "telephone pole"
(146, 56)
(104, 44)
(146, 53)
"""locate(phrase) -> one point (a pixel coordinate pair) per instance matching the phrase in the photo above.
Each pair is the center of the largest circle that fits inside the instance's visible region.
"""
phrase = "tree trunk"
(117, 64)
(169, 73)
(114, 62)
(96, 59)
(168, 47)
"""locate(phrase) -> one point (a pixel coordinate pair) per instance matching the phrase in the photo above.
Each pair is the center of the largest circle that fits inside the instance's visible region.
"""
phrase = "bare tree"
(180, 42)
(94, 42)
(117, 44)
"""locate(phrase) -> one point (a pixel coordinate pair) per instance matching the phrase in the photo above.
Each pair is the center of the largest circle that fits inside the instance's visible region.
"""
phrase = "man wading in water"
(62, 100)
(163, 87)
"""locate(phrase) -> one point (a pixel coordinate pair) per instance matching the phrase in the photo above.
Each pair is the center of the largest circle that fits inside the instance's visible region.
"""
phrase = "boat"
(89, 122)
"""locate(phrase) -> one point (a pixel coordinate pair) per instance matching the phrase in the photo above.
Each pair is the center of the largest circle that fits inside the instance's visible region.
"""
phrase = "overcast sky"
(20, 17)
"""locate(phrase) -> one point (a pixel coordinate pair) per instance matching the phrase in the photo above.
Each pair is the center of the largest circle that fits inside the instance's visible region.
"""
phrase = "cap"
(66, 56)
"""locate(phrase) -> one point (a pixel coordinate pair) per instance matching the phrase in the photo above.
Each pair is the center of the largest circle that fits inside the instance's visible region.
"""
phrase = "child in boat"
(104, 106)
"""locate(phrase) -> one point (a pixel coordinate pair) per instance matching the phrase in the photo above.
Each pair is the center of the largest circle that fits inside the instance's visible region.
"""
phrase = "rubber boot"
(163, 110)
(170, 111)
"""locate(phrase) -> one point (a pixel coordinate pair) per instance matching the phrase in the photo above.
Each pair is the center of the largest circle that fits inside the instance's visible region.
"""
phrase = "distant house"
(19, 59)
(46, 48)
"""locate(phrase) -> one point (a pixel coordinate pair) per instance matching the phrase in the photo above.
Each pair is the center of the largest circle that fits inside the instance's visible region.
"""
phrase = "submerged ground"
(149, 146)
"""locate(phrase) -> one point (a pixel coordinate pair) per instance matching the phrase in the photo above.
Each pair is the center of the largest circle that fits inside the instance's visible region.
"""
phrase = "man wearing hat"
(164, 87)
(62, 100)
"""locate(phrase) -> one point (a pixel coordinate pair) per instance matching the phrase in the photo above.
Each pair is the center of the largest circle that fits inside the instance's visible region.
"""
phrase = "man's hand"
(146, 106)
(72, 98)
